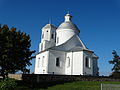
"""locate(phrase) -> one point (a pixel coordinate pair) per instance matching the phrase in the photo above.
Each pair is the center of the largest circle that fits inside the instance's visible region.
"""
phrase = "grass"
(78, 85)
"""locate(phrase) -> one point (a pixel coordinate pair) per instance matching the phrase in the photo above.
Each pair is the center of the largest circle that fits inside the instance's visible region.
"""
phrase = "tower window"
(87, 62)
(58, 62)
(52, 36)
(47, 30)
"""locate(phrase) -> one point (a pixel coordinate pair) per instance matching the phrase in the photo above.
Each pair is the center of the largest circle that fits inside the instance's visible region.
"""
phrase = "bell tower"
(48, 37)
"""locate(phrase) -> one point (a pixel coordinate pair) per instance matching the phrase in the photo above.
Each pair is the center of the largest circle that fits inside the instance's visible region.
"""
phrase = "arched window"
(52, 36)
(68, 62)
(87, 62)
(55, 37)
(58, 62)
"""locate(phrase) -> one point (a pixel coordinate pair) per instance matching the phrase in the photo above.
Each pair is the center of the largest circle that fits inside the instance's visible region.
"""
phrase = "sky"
(98, 21)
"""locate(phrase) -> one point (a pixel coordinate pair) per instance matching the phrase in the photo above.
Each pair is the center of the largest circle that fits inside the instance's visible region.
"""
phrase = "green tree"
(115, 62)
(15, 53)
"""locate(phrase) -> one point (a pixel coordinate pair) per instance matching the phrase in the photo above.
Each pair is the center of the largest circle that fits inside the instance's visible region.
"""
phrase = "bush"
(8, 84)
(115, 75)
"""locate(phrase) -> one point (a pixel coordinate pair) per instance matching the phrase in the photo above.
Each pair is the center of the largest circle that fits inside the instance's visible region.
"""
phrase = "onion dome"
(67, 24)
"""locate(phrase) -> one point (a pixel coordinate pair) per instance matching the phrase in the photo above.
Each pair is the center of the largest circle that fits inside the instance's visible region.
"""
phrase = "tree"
(116, 62)
(15, 53)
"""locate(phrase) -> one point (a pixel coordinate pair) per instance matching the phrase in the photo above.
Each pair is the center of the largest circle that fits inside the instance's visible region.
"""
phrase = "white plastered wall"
(68, 68)
(95, 67)
(52, 68)
(64, 35)
(41, 63)
(78, 63)
(88, 70)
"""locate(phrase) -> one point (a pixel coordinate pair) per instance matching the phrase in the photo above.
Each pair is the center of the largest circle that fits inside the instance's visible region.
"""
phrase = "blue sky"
(98, 20)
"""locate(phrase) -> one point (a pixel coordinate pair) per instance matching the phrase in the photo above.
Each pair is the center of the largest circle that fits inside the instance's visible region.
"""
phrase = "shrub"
(115, 75)
(8, 84)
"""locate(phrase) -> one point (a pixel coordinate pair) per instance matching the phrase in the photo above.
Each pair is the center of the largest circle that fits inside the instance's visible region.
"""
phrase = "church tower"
(48, 37)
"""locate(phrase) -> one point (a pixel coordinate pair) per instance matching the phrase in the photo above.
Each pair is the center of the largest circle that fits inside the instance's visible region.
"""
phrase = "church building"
(61, 51)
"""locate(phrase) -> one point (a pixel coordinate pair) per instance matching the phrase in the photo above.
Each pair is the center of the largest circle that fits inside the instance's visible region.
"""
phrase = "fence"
(110, 86)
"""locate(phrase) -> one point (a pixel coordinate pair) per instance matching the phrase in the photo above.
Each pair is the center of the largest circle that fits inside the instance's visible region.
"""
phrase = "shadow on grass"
(34, 85)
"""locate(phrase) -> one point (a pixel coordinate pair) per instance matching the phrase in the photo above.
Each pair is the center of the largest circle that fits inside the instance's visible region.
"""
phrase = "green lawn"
(80, 85)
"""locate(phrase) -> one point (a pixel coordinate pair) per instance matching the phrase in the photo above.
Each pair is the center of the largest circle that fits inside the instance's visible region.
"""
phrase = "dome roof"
(49, 26)
(67, 24)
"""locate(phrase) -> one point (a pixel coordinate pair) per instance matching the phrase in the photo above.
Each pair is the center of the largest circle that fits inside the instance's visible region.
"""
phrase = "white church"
(61, 51)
